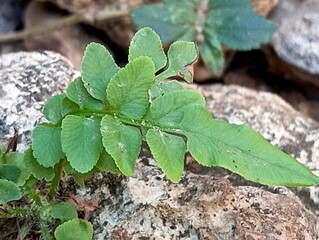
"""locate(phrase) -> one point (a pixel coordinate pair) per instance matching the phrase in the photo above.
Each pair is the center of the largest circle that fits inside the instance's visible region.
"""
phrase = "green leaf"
(9, 191)
(16, 159)
(46, 144)
(77, 93)
(127, 92)
(107, 163)
(244, 151)
(81, 141)
(10, 172)
(98, 67)
(168, 150)
(122, 142)
(57, 107)
(147, 43)
(212, 54)
(37, 170)
(181, 57)
(172, 21)
(74, 229)
(196, 125)
(52, 108)
(165, 87)
(64, 211)
(230, 4)
(68, 107)
(168, 109)
(239, 28)
(241, 150)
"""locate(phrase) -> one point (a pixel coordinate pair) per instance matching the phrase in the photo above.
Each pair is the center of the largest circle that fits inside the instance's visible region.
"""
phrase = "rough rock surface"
(296, 40)
(147, 206)
(27, 80)
(200, 206)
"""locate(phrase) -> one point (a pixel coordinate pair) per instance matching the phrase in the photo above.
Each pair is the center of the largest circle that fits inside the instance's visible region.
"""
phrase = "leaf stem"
(164, 75)
(10, 212)
(30, 188)
(56, 179)
(93, 112)
(129, 121)
(150, 124)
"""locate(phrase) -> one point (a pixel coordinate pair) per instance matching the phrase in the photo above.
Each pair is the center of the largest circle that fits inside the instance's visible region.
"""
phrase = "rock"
(147, 206)
(69, 41)
(296, 41)
(201, 206)
(27, 81)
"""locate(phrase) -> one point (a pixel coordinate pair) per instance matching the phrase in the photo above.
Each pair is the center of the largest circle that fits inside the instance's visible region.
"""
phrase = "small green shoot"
(138, 104)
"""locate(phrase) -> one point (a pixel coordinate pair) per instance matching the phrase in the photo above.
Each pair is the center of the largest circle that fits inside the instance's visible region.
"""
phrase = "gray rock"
(27, 80)
(147, 206)
(296, 39)
(200, 206)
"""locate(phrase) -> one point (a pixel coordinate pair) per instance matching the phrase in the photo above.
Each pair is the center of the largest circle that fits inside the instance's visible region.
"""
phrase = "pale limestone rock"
(200, 206)
(27, 80)
(148, 206)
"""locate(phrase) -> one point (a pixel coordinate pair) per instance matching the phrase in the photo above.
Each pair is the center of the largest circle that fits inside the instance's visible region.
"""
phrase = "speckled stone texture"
(27, 80)
(146, 205)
